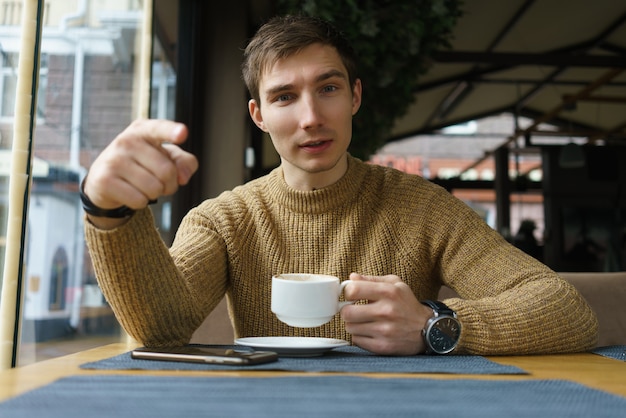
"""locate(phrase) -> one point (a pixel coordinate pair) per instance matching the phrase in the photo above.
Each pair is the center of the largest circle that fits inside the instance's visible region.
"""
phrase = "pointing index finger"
(159, 131)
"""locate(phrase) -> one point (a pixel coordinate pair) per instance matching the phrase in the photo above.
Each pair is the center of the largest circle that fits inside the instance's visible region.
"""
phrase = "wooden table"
(588, 369)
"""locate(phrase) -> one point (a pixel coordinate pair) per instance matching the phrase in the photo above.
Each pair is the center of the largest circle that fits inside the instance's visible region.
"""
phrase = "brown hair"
(281, 37)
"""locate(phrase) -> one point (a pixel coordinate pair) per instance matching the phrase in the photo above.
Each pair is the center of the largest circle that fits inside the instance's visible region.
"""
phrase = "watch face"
(444, 334)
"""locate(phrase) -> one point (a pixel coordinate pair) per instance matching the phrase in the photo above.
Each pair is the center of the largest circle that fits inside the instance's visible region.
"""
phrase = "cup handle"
(341, 287)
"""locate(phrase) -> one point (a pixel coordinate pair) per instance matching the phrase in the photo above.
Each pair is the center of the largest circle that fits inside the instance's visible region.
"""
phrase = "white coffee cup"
(306, 300)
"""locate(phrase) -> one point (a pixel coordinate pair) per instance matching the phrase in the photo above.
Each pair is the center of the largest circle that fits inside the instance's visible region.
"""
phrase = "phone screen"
(200, 354)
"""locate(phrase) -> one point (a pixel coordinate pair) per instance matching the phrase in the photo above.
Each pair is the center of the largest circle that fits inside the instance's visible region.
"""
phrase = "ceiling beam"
(516, 59)
(596, 98)
(463, 88)
(584, 93)
(476, 74)
(532, 81)
(546, 117)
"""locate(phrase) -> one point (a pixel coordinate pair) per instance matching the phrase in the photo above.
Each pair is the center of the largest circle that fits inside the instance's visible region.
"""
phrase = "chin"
(320, 160)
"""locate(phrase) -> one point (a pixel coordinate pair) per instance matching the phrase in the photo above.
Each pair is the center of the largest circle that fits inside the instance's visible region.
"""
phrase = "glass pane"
(88, 87)
(162, 106)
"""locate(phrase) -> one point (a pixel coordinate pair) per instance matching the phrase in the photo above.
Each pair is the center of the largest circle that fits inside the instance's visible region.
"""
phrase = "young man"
(397, 236)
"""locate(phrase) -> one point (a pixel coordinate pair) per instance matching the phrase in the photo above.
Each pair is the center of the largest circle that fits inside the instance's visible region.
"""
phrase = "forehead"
(311, 60)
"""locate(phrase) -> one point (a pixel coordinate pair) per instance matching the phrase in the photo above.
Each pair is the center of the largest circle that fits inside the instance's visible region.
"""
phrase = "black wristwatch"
(443, 330)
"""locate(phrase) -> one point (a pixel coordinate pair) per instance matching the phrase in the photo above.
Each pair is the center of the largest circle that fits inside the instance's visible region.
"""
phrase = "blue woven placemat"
(617, 352)
(344, 359)
(119, 396)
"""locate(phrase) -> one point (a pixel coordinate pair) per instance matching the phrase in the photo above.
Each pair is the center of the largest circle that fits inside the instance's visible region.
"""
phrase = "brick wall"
(105, 111)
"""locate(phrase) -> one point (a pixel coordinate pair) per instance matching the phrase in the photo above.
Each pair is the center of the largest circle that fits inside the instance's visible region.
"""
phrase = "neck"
(303, 180)
(347, 188)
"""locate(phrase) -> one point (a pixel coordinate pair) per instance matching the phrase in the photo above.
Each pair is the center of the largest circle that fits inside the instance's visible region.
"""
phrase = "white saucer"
(293, 346)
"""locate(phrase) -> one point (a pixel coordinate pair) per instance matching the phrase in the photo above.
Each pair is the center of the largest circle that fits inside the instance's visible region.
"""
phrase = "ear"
(357, 91)
(255, 114)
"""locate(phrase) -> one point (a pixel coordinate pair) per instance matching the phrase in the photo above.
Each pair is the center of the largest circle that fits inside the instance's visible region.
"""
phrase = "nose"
(310, 112)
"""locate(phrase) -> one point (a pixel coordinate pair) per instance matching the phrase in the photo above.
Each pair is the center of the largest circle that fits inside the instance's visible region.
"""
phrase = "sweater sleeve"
(510, 303)
(154, 302)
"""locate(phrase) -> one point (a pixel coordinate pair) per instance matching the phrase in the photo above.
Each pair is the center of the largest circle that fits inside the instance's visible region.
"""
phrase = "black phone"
(208, 355)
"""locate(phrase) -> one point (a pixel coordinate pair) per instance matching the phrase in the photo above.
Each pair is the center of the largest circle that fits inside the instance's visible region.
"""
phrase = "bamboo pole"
(19, 181)
(145, 61)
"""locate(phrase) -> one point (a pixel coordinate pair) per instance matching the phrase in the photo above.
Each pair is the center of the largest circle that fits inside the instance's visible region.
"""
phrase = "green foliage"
(393, 40)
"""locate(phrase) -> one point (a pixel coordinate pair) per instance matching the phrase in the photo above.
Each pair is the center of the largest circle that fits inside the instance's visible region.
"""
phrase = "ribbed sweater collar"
(323, 200)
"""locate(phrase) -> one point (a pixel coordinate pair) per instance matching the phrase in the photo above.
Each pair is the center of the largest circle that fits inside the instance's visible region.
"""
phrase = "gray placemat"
(344, 359)
(309, 396)
(617, 352)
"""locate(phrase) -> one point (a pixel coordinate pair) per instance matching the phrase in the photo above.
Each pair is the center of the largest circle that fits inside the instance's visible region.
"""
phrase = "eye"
(283, 98)
(329, 89)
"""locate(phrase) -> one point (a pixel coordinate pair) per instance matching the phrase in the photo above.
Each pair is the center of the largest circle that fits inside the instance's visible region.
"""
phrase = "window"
(8, 82)
(87, 93)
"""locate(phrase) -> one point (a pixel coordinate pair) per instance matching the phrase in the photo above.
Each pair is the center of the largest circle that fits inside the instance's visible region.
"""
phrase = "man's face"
(306, 106)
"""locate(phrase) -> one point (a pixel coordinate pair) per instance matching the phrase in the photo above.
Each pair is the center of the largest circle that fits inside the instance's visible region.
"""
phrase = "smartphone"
(208, 355)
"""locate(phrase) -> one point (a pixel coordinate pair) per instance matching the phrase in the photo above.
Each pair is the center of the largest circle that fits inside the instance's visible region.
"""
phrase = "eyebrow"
(324, 76)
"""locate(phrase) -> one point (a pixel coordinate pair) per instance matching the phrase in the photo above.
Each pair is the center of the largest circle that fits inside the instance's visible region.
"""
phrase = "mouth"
(316, 144)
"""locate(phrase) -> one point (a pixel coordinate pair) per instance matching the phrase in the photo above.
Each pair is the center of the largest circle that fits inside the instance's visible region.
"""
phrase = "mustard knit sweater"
(375, 221)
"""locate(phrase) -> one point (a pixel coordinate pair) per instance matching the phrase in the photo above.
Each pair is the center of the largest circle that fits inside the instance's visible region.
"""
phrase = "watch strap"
(91, 209)
(440, 308)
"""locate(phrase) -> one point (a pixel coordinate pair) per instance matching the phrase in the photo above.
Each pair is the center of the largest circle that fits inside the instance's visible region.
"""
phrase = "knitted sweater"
(375, 221)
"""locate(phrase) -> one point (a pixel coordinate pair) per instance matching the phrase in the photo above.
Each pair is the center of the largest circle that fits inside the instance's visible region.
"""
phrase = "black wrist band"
(91, 209)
